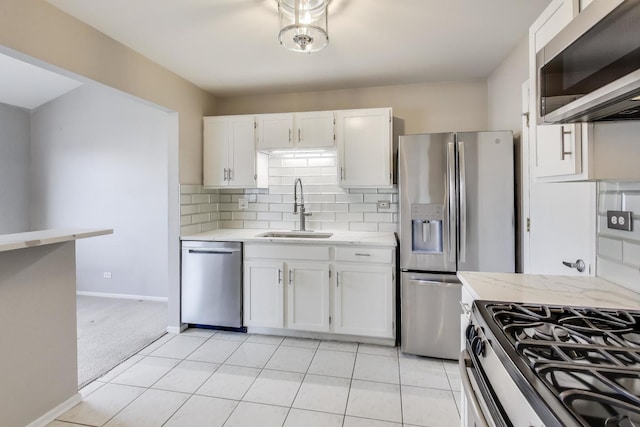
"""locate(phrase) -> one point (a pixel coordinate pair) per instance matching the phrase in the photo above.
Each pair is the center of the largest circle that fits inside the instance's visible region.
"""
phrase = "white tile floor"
(208, 378)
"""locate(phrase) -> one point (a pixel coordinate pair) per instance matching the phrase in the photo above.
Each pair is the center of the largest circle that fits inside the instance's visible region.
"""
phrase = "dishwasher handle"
(435, 283)
(214, 251)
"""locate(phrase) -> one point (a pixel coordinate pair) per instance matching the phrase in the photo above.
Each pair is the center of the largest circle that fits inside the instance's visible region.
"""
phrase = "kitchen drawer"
(368, 255)
(287, 252)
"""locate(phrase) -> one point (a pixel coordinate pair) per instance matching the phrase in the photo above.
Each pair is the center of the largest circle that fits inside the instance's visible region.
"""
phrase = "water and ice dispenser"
(426, 225)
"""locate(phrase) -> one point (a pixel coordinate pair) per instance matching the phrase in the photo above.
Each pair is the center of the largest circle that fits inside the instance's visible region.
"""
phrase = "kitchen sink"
(296, 234)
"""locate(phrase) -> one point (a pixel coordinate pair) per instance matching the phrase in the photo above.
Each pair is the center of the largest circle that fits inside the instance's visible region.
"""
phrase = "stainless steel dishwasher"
(212, 283)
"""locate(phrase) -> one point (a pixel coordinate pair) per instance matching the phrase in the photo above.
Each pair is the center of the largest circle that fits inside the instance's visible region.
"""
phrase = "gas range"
(574, 366)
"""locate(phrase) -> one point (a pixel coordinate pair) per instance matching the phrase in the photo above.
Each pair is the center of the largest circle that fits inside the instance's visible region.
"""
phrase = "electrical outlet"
(383, 204)
(620, 220)
(106, 275)
(243, 203)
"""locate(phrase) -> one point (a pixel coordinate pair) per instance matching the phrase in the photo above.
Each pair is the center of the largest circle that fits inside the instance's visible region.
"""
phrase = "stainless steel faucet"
(301, 204)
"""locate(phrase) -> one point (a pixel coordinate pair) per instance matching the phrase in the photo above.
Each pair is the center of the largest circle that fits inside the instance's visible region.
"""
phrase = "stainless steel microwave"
(590, 71)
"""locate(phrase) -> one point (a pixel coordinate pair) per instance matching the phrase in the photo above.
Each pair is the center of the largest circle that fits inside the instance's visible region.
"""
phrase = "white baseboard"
(57, 411)
(121, 296)
(176, 329)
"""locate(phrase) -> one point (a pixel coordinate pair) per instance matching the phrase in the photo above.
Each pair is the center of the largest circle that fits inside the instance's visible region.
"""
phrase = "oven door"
(477, 399)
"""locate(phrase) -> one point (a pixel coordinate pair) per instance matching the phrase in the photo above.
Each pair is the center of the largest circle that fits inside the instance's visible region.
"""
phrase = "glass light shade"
(303, 25)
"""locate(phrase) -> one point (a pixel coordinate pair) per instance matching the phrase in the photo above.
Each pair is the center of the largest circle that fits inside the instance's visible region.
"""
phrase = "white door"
(364, 147)
(275, 130)
(562, 219)
(364, 300)
(308, 296)
(263, 294)
(315, 129)
(243, 153)
(215, 153)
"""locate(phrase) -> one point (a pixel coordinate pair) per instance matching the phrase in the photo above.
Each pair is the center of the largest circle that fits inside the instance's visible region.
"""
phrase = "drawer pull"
(363, 254)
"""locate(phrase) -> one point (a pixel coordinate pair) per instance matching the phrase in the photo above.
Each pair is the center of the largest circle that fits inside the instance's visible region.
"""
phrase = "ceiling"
(28, 86)
(230, 47)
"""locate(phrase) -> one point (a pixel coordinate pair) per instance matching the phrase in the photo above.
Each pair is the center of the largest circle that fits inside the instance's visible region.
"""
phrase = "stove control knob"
(471, 332)
(477, 346)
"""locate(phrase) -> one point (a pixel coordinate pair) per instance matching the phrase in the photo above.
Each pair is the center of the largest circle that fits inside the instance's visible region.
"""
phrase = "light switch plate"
(243, 203)
(383, 204)
(620, 220)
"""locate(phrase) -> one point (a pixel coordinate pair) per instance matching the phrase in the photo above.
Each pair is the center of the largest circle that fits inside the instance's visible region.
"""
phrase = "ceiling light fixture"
(303, 25)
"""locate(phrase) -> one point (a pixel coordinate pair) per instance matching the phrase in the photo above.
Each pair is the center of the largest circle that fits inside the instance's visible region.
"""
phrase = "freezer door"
(426, 178)
(485, 182)
(431, 314)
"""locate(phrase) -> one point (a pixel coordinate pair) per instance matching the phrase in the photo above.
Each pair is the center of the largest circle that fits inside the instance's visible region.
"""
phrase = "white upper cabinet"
(364, 144)
(275, 131)
(296, 130)
(229, 153)
(557, 149)
(314, 129)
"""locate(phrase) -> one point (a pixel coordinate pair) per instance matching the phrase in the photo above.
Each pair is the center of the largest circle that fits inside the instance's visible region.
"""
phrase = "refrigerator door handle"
(450, 200)
(463, 203)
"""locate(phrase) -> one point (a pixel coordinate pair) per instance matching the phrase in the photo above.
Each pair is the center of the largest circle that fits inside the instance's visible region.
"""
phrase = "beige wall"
(504, 88)
(37, 29)
(417, 108)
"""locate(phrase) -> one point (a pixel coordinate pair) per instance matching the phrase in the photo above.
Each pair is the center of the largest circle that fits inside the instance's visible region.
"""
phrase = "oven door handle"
(465, 362)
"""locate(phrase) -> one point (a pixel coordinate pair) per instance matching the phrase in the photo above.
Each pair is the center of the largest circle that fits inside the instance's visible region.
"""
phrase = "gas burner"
(548, 332)
(585, 361)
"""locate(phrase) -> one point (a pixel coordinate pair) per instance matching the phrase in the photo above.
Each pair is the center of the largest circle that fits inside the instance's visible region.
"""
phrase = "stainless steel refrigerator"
(456, 214)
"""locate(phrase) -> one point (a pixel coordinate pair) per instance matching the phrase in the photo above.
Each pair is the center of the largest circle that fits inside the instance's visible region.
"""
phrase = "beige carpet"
(111, 330)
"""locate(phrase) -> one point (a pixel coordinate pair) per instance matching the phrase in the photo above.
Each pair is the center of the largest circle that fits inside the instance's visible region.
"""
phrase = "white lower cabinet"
(293, 287)
(308, 296)
(363, 296)
(263, 294)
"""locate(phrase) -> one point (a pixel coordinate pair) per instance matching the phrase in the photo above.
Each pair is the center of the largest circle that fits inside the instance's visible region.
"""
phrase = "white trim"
(121, 296)
(55, 412)
(177, 329)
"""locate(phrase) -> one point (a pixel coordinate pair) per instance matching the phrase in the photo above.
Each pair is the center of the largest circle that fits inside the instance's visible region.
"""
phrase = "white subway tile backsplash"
(335, 207)
(621, 274)
(619, 251)
(282, 225)
(269, 198)
(350, 217)
(375, 198)
(363, 207)
(294, 163)
(610, 248)
(349, 198)
(269, 216)
(230, 224)
(378, 217)
(631, 253)
(363, 226)
(256, 224)
(631, 202)
(198, 199)
(189, 209)
(209, 226)
(243, 215)
(332, 208)
(389, 227)
(200, 218)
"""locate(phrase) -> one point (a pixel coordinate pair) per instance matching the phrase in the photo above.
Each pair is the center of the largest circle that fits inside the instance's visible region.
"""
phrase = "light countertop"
(542, 289)
(365, 238)
(29, 239)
